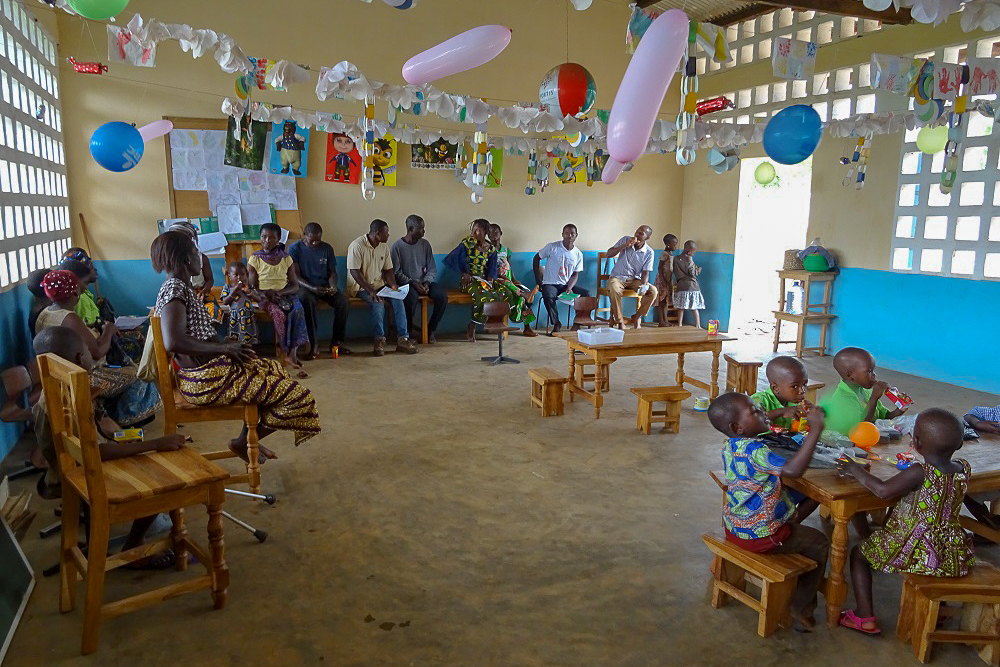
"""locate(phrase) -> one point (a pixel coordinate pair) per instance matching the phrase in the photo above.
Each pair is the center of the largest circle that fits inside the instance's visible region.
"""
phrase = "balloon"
(401, 4)
(98, 10)
(642, 89)
(568, 88)
(582, 4)
(764, 173)
(116, 146)
(793, 134)
(865, 435)
(462, 52)
(932, 139)
(155, 129)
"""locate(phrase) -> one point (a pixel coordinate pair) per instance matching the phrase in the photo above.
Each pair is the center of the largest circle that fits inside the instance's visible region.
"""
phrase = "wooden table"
(640, 342)
(845, 497)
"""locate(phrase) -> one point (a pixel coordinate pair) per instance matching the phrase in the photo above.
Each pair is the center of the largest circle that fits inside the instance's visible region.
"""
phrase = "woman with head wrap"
(39, 301)
(203, 281)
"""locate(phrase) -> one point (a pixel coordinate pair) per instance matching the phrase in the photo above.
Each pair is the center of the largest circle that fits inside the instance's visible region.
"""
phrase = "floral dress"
(923, 535)
(499, 289)
(242, 323)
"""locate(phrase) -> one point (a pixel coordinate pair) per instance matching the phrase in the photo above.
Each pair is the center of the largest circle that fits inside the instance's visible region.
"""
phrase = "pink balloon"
(612, 169)
(155, 129)
(644, 86)
(462, 52)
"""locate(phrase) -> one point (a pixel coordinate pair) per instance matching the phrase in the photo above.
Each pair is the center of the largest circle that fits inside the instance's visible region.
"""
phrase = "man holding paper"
(369, 270)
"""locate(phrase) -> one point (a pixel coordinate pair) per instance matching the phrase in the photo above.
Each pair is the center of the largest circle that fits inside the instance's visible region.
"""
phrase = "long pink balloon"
(462, 52)
(642, 90)
(155, 129)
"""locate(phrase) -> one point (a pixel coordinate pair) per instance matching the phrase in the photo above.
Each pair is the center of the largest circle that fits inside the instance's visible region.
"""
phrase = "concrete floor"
(439, 520)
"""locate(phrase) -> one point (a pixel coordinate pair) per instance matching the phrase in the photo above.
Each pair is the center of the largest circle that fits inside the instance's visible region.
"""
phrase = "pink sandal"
(852, 621)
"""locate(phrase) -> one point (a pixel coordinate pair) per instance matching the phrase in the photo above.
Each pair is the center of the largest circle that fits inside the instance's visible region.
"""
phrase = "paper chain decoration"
(858, 162)
(368, 151)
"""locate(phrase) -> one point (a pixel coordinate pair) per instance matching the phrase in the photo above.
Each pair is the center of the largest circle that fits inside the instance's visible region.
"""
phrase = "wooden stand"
(812, 313)
(670, 416)
(547, 388)
(741, 376)
(583, 377)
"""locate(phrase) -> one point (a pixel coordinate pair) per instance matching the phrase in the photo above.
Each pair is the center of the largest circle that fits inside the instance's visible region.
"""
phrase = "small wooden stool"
(777, 572)
(741, 376)
(547, 388)
(582, 377)
(670, 417)
(811, 390)
(920, 608)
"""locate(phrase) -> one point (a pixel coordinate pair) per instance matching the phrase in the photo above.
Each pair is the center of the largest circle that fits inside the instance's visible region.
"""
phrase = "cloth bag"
(147, 363)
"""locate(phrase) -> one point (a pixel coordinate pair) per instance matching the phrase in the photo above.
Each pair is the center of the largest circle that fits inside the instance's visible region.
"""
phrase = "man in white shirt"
(631, 272)
(563, 264)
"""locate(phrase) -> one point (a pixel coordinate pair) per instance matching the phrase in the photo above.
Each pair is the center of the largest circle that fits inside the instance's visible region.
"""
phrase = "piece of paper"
(283, 200)
(390, 293)
(217, 199)
(122, 48)
(254, 197)
(983, 76)
(220, 180)
(947, 80)
(189, 179)
(230, 219)
(126, 323)
(284, 237)
(793, 59)
(185, 138)
(211, 242)
(255, 214)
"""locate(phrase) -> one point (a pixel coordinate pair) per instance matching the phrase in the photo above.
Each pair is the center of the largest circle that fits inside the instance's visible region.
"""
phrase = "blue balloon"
(793, 134)
(117, 146)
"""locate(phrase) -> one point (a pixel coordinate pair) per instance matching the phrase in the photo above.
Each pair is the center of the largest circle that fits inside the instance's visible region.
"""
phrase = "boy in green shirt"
(856, 398)
(784, 401)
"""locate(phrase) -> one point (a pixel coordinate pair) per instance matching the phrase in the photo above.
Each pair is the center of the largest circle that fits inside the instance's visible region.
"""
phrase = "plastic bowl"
(815, 262)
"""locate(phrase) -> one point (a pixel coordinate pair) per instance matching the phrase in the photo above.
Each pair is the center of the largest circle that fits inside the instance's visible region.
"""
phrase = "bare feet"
(238, 446)
(528, 331)
(635, 321)
(530, 297)
(470, 332)
(302, 375)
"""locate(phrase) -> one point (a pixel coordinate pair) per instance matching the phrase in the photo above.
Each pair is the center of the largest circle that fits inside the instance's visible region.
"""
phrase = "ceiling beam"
(846, 8)
(738, 15)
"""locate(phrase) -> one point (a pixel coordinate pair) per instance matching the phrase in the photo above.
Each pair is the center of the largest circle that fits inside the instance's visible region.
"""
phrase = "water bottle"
(794, 298)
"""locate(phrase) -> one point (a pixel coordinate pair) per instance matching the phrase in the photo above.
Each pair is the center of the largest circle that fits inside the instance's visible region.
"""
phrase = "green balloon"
(932, 139)
(98, 10)
(764, 173)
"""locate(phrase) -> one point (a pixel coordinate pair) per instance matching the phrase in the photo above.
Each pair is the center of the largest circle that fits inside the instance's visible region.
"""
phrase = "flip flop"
(852, 621)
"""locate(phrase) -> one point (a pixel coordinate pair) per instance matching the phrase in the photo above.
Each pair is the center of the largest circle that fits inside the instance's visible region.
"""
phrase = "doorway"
(769, 220)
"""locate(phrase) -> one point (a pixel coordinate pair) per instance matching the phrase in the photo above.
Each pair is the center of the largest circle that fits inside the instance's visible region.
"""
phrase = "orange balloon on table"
(865, 435)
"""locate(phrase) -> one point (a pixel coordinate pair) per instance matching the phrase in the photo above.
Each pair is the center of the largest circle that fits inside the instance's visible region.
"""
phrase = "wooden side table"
(812, 313)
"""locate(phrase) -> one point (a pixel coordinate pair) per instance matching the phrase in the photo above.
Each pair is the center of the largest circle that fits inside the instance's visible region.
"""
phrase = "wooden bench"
(741, 376)
(777, 572)
(583, 377)
(670, 416)
(547, 389)
(920, 608)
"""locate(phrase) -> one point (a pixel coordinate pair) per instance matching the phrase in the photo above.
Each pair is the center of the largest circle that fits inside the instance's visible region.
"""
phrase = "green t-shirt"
(846, 406)
(86, 308)
(767, 401)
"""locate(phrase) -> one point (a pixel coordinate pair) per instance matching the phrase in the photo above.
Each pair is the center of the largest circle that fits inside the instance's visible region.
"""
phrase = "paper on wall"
(894, 73)
(255, 214)
(185, 158)
(211, 242)
(793, 59)
(947, 80)
(283, 200)
(217, 198)
(983, 74)
(253, 196)
(189, 179)
(284, 237)
(186, 139)
(230, 219)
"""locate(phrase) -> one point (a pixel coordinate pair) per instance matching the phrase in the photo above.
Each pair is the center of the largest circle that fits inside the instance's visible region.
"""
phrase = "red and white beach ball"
(569, 89)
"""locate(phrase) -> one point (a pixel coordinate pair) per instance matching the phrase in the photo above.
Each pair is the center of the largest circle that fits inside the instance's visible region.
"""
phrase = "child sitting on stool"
(856, 398)
(784, 401)
(760, 514)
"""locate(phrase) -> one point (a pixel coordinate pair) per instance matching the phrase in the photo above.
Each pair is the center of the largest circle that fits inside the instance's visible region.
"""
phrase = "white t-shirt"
(560, 264)
(630, 263)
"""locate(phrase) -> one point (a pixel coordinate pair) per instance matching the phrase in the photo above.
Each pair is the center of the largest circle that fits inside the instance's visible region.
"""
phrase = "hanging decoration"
(932, 140)
(952, 150)
(478, 169)
(569, 89)
(87, 68)
(713, 104)
(858, 163)
(723, 161)
(436, 154)
(686, 138)
(98, 10)
(530, 189)
(894, 73)
(595, 166)
(368, 152)
(401, 4)
(462, 52)
(793, 134)
(123, 50)
(712, 40)
(119, 146)
(569, 167)
(764, 174)
(792, 59)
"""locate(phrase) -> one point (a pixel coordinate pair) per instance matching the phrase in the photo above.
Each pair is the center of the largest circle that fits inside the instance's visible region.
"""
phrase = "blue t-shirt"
(314, 264)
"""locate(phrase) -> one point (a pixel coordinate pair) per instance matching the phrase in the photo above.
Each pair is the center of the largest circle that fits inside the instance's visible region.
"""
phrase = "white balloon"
(878, 5)
(582, 4)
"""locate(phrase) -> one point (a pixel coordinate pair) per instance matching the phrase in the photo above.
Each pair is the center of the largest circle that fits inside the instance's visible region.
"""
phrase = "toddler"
(923, 535)
(784, 401)
(664, 282)
(236, 295)
(687, 292)
(984, 419)
(856, 398)
(760, 514)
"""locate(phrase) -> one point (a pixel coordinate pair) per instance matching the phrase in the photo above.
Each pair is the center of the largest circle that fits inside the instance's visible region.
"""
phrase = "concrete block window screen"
(955, 234)
(34, 205)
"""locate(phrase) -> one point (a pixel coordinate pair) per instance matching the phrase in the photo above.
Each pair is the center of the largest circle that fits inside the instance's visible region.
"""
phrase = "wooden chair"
(496, 323)
(670, 416)
(604, 265)
(121, 490)
(920, 609)
(583, 377)
(21, 391)
(547, 389)
(585, 308)
(777, 573)
(812, 389)
(176, 410)
(741, 375)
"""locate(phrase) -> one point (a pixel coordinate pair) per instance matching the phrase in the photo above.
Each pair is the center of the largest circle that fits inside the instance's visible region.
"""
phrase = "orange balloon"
(865, 435)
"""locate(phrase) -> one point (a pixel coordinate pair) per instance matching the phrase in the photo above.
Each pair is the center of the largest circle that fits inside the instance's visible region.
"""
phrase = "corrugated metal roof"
(708, 10)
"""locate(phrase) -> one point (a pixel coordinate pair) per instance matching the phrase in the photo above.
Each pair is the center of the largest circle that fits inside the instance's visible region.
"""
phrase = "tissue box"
(600, 336)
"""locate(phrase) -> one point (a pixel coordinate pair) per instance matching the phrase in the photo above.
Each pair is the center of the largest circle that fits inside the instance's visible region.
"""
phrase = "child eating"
(923, 535)
(236, 295)
(784, 401)
(856, 398)
(760, 514)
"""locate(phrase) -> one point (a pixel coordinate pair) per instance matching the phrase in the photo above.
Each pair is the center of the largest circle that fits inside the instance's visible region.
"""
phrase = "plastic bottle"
(794, 298)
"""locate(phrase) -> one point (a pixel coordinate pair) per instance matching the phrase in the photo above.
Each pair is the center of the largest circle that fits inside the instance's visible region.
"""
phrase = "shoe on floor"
(431, 338)
(379, 350)
(406, 345)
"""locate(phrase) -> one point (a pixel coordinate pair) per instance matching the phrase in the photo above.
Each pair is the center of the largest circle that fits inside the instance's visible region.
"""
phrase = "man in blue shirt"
(317, 266)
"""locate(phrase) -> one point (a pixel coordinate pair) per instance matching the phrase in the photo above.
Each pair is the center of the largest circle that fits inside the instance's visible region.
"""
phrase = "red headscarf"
(60, 285)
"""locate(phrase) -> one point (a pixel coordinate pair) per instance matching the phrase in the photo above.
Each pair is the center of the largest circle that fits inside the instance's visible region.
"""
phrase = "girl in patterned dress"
(923, 535)
(236, 295)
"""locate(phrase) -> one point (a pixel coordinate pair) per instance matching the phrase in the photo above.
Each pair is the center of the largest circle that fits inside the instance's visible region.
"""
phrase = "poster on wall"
(570, 168)
(793, 59)
(246, 141)
(438, 154)
(289, 149)
(384, 158)
(595, 166)
(495, 178)
(983, 76)
(343, 161)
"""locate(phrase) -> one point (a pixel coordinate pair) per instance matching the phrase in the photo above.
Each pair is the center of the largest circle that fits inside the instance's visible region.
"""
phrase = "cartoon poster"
(289, 149)
(439, 154)
(343, 161)
(245, 148)
(385, 161)
(495, 178)
(570, 168)
(793, 59)
(595, 166)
